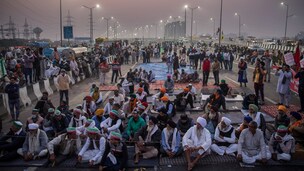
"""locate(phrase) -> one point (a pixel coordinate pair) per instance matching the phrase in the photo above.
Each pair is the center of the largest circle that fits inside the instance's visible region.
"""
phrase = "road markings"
(252, 68)
(268, 99)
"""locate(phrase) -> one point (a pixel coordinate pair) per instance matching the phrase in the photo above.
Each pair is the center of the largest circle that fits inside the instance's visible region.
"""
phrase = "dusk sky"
(261, 17)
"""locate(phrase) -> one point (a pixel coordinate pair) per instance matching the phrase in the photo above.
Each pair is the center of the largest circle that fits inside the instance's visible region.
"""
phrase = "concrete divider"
(55, 83)
(52, 85)
(31, 94)
(47, 87)
(71, 77)
(37, 92)
(4, 106)
(24, 96)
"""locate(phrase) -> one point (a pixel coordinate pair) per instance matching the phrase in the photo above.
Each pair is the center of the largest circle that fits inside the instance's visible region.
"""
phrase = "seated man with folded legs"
(116, 154)
(35, 144)
(147, 140)
(251, 145)
(16, 135)
(196, 142)
(282, 144)
(225, 142)
(171, 140)
(93, 149)
(67, 144)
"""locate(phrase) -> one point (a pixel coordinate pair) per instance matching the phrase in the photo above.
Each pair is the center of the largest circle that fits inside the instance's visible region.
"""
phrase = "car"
(257, 48)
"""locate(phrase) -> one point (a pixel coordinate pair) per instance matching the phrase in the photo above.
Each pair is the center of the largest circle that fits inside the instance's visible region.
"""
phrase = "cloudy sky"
(261, 17)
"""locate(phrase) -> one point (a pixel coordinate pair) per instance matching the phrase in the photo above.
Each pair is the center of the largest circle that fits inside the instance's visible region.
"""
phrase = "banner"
(294, 82)
(289, 60)
(68, 32)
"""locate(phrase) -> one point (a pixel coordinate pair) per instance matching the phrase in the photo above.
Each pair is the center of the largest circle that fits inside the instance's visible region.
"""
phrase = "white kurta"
(190, 139)
(94, 154)
(221, 150)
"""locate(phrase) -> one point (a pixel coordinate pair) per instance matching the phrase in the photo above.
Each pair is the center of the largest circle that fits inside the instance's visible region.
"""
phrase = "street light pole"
(221, 15)
(61, 23)
(287, 16)
(191, 29)
(186, 6)
(236, 14)
(213, 20)
(107, 20)
(91, 21)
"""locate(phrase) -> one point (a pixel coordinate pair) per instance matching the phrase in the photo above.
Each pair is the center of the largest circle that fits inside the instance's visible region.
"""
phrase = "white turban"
(201, 121)
(33, 126)
(226, 121)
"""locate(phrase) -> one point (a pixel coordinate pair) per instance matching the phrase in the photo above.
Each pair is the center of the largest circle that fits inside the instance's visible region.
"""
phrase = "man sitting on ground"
(197, 142)
(225, 141)
(157, 98)
(169, 84)
(67, 144)
(35, 144)
(184, 123)
(217, 99)
(250, 99)
(282, 144)
(17, 137)
(147, 140)
(225, 88)
(251, 145)
(171, 140)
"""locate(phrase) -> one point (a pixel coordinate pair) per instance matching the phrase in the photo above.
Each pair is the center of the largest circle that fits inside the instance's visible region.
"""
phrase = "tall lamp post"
(221, 16)
(287, 16)
(164, 22)
(186, 6)
(236, 14)
(107, 19)
(61, 23)
(213, 21)
(191, 30)
(91, 20)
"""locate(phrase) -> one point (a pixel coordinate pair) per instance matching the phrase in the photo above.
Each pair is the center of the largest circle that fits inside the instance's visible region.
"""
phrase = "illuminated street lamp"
(236, 14)
(107, 19)
(91, 20)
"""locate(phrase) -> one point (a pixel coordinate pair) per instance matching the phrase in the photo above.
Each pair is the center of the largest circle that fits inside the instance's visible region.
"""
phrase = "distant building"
(82, 39)
(175, 30)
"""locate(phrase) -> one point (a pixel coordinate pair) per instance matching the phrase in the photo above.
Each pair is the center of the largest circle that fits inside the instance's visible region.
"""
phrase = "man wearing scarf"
(217, 99)
(282, 144)
(251, 145)
(147, 140)
(171, 140)
(112, 123)
(224, 138)
(35, 118)
(96, 96)
(141, 95)
(196, 142)
(78, 119)
(67, 144)
(35, 144)
(257, 117)
(115, 156)
(93, 149)
(17, 137)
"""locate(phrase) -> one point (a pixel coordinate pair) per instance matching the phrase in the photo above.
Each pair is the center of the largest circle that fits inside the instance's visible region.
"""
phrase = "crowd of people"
(99, 134)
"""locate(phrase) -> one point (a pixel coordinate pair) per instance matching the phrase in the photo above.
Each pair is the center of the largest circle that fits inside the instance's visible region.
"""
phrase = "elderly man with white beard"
(147, 140)
(35, 144)
(251, 145)
(196, 142)
(224, 138)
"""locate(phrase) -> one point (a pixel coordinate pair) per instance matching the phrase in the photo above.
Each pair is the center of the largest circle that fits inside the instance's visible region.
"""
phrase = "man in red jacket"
(206, 70)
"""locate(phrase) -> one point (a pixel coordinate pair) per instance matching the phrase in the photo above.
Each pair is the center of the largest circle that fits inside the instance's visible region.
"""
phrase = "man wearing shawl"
(196, 142)
(257, 117)
(171, 140)
(35, 144)
(251, 145)
(93, 149)
(282, 144)
(224, 138)
(82, 130)
(78, 119)
(112, 123)
(116, 154)
(66, 144)
(147, 140)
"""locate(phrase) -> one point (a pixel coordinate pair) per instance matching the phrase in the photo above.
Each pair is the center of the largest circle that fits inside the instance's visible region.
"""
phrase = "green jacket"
(133, 126)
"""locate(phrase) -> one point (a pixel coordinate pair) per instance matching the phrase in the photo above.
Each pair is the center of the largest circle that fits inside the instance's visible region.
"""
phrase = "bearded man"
(35, 144)
(225, 141)
(196, 142)
(147, 140)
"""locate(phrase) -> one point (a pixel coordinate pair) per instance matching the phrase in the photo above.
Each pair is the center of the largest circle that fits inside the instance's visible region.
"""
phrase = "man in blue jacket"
(12, 90)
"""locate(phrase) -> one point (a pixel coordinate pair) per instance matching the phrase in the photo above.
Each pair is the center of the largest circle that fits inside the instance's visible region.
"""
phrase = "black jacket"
(16, 141)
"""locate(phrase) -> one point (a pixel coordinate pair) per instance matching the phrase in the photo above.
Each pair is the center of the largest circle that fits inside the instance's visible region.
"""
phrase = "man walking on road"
(284, 81)
(216, 71)
(12, 90)
(63, 82)
(267, 60)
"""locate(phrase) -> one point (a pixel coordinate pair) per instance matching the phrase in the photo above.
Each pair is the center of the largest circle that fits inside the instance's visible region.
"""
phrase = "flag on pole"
(297, 57)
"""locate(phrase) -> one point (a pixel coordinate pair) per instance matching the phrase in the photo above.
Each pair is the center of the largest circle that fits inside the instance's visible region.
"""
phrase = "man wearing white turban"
(35, 144)
(224, 138)
(196, 142)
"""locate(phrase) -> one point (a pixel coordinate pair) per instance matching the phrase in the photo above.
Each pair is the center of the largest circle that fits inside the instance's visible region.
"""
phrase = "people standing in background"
(63, 82)
(242, 78)
(12, 90)
(206, 70)
(28, 66)
(284, 81)
(216, 71)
